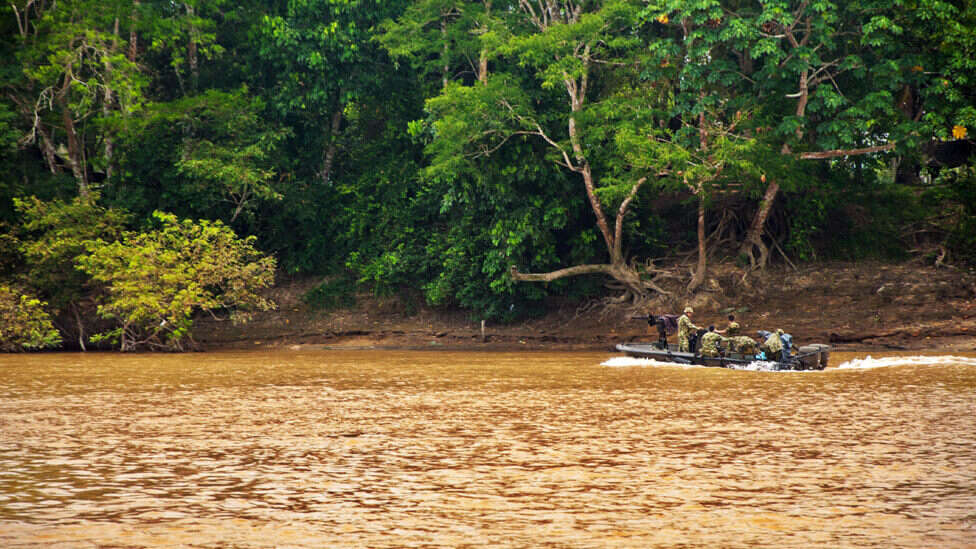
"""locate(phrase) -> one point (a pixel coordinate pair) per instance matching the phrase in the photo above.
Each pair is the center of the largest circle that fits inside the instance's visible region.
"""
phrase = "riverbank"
(859, 306)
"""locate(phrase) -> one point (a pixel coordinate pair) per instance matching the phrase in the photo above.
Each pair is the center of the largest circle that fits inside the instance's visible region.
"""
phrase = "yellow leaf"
(662, 19)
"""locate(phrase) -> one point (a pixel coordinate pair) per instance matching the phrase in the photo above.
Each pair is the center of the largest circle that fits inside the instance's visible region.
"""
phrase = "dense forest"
(164, 159)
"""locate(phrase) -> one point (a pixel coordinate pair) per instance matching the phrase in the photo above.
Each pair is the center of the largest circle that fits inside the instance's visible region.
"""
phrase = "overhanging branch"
(561, 273)
(846, 152)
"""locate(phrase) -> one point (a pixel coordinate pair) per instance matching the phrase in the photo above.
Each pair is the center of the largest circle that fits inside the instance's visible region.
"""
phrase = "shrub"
(24, 324)
(156, 280)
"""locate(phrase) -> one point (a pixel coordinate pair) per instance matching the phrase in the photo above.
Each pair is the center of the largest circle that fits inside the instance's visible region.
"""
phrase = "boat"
(807, 357)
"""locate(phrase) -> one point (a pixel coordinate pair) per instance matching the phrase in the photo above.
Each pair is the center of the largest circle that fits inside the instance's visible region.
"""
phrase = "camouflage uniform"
(773, 346)
(710, 342)
(745, 345)
(732, 329)
(685, 327)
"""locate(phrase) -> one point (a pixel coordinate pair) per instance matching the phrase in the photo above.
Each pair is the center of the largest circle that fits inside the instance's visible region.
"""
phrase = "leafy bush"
(156, 280)
(24, 324)
(54, 234)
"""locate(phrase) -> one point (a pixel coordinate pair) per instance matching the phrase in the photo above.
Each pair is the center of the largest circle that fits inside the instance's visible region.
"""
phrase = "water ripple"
(451, 449)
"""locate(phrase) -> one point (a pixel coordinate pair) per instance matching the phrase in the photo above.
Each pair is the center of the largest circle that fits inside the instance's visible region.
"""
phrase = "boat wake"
(627, 362)
(868, 362)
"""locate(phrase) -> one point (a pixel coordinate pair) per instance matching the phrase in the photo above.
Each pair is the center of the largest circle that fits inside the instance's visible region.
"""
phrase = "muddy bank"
(853, 306)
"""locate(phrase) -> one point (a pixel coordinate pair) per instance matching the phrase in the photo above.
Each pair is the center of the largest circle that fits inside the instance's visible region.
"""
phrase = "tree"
(580, 56)
(75, 77)
(24, 323)
(156, 280)
(52, 236)
(324, 61)
(220, 146)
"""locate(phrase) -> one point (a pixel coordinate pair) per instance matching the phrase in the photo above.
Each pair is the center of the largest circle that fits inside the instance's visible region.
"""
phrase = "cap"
(689, 310)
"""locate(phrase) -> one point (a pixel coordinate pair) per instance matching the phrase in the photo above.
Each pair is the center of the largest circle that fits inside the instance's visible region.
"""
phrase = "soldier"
(710, 342)
(745, 345)
(773, 346)
(685, 329)
(733, 328)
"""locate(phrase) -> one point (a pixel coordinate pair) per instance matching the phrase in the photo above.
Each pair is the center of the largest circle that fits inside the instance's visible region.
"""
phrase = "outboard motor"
(809, 356)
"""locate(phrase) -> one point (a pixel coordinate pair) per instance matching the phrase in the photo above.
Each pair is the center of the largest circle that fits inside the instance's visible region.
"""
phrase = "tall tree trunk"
(107, 106)
(133, 37)
(699, 276)
(483, 67)
(74, 145)
(445, 56)
(754, 235)
(47, 148)
(191, 51)
(328, 158)
(483, 57)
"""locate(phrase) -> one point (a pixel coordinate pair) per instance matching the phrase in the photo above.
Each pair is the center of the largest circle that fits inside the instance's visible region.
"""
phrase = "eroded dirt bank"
(853, 306)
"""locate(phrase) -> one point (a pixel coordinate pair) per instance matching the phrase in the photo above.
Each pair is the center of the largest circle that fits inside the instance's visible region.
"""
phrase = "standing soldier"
(685, 329)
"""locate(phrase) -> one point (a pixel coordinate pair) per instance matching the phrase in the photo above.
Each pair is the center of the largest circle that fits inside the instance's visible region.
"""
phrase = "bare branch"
(575, 270)
(846, 152)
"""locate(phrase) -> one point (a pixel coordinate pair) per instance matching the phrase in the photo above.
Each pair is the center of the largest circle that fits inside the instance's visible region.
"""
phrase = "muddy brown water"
(448, 449)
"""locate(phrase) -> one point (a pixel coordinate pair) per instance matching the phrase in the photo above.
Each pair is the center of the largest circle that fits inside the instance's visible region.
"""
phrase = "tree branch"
(575, 270)
(845, 152)
(619, 225)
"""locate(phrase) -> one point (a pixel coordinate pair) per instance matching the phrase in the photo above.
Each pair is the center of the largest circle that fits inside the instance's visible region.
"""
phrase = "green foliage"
(25, 325)
(156, 280)
(221, 148)
(54, 235)
(430, 145)
(952, 201)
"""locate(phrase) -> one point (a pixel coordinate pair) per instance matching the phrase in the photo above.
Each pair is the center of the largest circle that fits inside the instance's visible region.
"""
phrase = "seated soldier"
(745, 345)
(787, 340)
(733, 327)
(773, 345)
(710, 342)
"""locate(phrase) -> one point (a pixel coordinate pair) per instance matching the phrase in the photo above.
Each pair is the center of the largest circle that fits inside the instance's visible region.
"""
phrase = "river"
(448, 449)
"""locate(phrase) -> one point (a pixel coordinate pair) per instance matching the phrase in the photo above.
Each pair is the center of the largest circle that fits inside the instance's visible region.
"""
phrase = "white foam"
(629, 362)
(866, 363)
(758, 366)
(626, 362)
(893, 361)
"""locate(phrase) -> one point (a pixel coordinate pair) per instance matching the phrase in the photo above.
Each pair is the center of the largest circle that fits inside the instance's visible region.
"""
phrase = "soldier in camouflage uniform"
(773, 346)
(685, 329)
(745, 345)
(733, 328)
(711, 341)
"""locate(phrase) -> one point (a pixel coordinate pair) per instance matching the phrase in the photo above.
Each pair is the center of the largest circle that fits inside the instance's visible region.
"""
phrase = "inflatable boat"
(807, 357)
